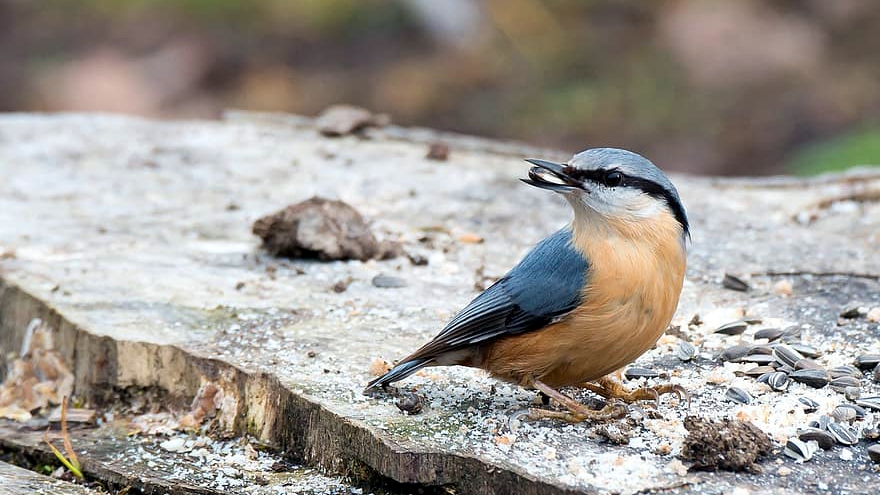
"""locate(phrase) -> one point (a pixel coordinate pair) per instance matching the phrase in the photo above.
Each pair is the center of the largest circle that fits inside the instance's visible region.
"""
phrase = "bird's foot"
(576, 412)
(612, 389)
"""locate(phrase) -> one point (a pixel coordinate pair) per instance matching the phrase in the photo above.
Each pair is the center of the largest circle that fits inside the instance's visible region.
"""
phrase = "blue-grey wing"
(544, 286)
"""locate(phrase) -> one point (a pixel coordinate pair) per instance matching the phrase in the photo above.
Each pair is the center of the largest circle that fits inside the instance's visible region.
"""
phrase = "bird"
(585, 301)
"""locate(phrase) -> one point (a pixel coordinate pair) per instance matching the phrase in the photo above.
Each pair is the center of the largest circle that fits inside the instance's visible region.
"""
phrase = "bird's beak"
(544, 170)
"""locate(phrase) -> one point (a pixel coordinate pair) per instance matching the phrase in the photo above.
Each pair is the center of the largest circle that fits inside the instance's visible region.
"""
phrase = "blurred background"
(712, 87)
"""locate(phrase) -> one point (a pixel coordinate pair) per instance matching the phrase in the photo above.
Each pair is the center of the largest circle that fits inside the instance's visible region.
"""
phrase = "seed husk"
(757, 359)
(685, 351)
(737, 394)
(821, 423)
(813, 378)
(760, 349)
(845, 370)
(867, 361)
(770, 334)
(809, 404)
(807, 364)
(841, 383)
(851, 311)
(874, 453)
(733, 328)
(636, 372)
(799, 450)
(733, 282)
(757, 371)
(734, 353)
(778, 381)
(843, 434)
(821, 437)
(806, 350)
(870, 402)
(843, 414)
(791, 334)
(786, 355)
(852, 393)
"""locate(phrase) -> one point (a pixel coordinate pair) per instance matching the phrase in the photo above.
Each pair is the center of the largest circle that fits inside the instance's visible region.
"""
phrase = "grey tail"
(398, 373)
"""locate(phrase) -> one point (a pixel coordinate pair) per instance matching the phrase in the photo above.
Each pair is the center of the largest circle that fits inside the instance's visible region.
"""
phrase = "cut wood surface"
(132, 240)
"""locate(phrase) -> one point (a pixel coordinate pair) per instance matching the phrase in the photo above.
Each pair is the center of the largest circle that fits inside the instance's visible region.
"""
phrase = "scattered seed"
(821, 423)
(388, 282)
(791, 334)
(733, 328)
(867, 361)
(786, 355)
(843, 434)
(813, 378)
(870, 402)
(636, 372)
(807, 364)
(761, 349)
(874, 453)
(765, 377)
(757, 371)
(852, 393)
(783, 368)
(685, 351)
(871, 433)
(799, 450)
(806, 350)
(778, 381)
(841, 383)
(737, 394)
(764, 359)
(821, 437)
(845, 370)
(733, 282)
(809, 404)
(851, 311)
(770, 334)
(843, 414)
(735, 353)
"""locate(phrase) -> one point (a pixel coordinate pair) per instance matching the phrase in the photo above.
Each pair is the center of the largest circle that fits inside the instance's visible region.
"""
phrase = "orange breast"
(632, 292)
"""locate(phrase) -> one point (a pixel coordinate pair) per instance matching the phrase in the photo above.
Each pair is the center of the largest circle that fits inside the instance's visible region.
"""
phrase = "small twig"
(73, 463)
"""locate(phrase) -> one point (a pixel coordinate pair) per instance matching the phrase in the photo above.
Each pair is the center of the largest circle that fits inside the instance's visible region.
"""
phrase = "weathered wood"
(131, 239)
(18, 481)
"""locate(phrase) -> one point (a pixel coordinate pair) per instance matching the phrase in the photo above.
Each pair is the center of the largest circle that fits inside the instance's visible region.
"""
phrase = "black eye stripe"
(648, 187)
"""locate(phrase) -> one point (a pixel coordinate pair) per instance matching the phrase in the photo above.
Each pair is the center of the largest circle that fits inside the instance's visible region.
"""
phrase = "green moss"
(859, 147)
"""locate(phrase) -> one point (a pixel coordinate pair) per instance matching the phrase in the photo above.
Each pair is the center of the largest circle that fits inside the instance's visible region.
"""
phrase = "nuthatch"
(585, 301)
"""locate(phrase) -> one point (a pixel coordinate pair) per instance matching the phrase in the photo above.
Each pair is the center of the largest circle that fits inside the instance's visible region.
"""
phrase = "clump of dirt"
(729, 445)
(321, 228)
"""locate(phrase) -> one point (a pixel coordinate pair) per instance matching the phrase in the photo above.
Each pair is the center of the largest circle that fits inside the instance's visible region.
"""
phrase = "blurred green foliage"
(856, 148)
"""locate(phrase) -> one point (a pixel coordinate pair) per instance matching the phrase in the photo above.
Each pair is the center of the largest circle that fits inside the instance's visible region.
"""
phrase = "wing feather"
(543, 287)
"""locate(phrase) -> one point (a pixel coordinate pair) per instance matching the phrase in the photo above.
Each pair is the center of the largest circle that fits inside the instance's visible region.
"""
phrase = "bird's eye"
(613, 179)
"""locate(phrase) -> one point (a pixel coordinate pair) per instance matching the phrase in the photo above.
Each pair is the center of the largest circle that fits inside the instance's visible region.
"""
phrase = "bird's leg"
(612, 389)
(577, 412)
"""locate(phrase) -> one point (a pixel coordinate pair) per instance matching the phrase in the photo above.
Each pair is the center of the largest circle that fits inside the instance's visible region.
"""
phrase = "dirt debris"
(39, 378)
(341, 120)
(438, 151)
(321, 228)
(728, 444)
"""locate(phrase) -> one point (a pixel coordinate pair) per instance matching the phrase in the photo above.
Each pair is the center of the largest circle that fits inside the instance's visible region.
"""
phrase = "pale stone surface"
(132, 238)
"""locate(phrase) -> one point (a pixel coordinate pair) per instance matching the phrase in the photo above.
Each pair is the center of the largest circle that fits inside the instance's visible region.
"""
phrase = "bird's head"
(613, 185)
